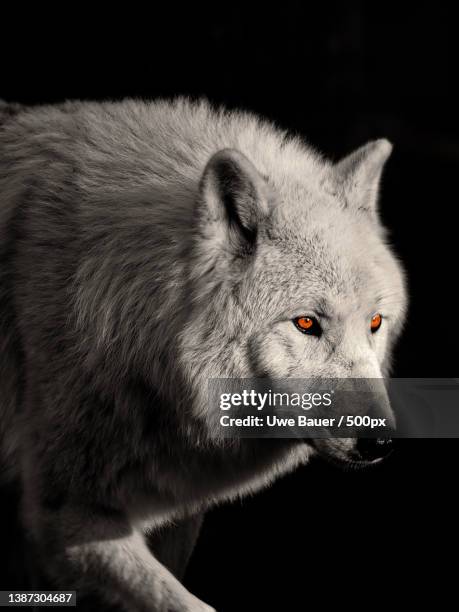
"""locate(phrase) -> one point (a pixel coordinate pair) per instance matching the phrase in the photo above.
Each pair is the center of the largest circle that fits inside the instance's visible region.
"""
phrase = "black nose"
(370, 449)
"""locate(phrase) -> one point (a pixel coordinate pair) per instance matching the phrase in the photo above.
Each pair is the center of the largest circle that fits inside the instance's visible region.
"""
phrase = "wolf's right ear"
(359, 174)
(233, 201)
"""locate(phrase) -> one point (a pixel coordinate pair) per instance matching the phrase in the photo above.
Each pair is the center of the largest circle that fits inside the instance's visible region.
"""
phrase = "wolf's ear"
(233, 201)
(359, 174)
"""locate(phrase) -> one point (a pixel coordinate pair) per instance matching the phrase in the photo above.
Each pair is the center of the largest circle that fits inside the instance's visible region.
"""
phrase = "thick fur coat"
(144, 249)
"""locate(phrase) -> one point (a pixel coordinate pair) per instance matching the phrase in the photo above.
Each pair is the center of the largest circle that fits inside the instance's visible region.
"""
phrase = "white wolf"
(145, 248)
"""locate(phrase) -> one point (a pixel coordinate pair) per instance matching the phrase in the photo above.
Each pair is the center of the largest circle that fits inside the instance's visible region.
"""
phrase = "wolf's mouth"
(353, 465)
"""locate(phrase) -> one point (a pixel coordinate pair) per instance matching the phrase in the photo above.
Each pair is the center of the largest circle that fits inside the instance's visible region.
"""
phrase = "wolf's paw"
(196, 606)
(199, 606)
(187, 603)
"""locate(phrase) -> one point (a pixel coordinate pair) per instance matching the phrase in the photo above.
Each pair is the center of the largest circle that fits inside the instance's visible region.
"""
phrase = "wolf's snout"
(373, 449)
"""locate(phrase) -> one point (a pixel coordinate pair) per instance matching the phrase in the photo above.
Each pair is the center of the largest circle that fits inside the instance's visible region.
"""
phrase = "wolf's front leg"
(174, 544)
(97, 552)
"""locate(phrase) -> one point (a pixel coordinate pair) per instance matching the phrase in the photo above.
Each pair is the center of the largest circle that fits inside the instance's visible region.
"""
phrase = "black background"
(339, 75)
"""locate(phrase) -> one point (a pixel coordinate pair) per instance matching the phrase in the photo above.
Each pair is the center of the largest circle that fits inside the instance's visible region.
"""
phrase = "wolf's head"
(292, 275)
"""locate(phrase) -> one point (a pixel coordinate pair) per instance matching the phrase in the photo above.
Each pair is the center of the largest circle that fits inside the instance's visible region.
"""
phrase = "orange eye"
(376, 321)
(308, 325)
(305, 322)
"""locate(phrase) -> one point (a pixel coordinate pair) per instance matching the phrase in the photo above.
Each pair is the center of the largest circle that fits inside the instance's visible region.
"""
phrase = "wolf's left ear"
(359, 174)
(233, 201)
